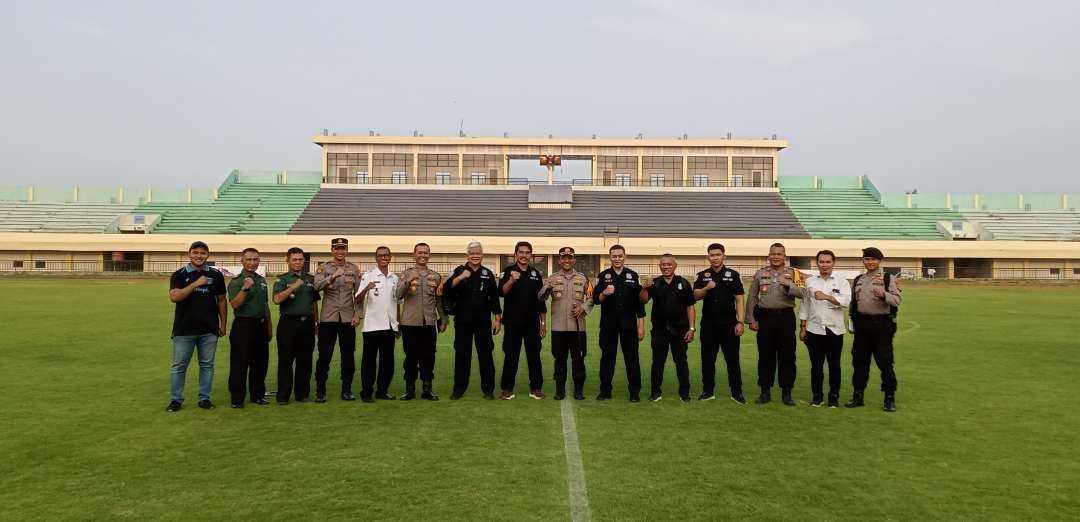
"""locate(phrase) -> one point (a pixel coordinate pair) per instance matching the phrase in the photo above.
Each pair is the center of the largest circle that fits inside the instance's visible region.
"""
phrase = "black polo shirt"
(718, 305)
(619, 311)
(198, 314)
(522, 306)
(476, 298)
(669, 304)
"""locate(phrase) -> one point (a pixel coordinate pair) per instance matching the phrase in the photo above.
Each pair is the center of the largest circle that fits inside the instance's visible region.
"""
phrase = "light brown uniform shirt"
(870, 304)
(338, 305)
(767, 292)
(420, 304)
(566, 290)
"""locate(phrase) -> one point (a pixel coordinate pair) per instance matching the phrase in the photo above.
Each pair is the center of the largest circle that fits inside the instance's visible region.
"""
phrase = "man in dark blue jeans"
(200, 317)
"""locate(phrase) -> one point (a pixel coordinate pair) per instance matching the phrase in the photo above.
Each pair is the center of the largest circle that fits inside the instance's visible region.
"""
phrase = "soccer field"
(986, 428)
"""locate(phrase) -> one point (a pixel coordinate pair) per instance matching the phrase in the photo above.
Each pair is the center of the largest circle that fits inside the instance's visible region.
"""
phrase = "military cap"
(566, 251)
(339, 242)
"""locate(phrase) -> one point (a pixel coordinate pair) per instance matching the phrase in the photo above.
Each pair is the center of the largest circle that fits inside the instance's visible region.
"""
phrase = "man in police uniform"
(874, 300)
(377, 294)
(721, 323)
(294, 292)
(421, 317)
(337, 280)
(571, 299)
(622, 321)
(524, 317)
(672, 325)
(249, 340)
(474, 293)
(770, 309)
(199, 319)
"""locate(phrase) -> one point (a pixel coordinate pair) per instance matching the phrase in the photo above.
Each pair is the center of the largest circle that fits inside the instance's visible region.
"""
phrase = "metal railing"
(452, 180)
(502, 180)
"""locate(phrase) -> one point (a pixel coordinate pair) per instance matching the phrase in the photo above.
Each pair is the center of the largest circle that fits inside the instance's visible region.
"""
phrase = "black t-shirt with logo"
(718, 305)
(198, 314)
(669, 304)
(521, 307)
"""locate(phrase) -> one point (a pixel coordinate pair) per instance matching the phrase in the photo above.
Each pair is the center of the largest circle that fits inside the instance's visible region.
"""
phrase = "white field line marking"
(914, 326)
(575, 469)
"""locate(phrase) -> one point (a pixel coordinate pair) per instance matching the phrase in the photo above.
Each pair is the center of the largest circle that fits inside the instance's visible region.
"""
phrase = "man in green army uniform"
(249, 340)
(295, 293)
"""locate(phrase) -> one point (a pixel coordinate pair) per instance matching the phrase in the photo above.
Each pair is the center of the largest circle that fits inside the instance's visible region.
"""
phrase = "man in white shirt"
(377, 295)
(821, 326)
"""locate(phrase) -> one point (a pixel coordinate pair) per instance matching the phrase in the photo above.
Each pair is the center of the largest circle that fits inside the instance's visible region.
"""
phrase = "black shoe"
(706, 396)
(429, 394)
(489, 396)
(206, 404)
(367, 398)
(785, 397)
(305, 399)
(410, 392)
(559, 395)
(456, 395)
(890, 403)
(261, 402)
(320, 398)
(817, 401)
(603, 396)
(856, 401)
(684, 398)
(385, 396)
(834, 402)
(282, 403)
(635, 398)
(738, 397)
(765, 397)
(655, 397)
(174, 406)
(347, 396)
(579, 396)
(236, 405)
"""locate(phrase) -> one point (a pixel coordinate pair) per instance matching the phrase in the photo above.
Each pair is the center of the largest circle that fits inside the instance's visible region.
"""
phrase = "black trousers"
(513, 338)
(824, 348)
(345, 335)
(610, 340)
(378, 349)
(295, 344)
(570, 345)
(419, 345)
(662, 343)
(465, 333)
(873, 338)
(249, 355)
(714, 338)
(776, 347)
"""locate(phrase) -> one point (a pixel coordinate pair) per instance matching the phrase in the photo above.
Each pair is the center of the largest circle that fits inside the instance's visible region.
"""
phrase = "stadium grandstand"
(653, 196)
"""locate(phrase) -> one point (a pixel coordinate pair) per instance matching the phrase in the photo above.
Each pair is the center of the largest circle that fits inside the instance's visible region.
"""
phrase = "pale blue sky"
(959, 96)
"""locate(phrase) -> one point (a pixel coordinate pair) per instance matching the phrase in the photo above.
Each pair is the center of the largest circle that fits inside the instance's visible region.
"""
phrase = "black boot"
(410, 391)
(579, 392)
(890, 402)
(560, 391)
(856, 400)
(765, 397)
(785, 395)
(428, 393)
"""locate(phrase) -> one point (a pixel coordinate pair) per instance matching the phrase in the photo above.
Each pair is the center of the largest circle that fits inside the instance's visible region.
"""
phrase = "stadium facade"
(650, 195)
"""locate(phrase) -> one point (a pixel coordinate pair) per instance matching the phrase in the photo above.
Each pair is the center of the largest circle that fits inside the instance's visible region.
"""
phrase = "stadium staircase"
(24, 216)
(856, 213)
(242, 208)
(1026, 225)
(592, 214)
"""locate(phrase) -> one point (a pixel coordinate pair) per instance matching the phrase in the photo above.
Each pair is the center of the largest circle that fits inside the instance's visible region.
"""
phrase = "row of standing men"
(416, 306)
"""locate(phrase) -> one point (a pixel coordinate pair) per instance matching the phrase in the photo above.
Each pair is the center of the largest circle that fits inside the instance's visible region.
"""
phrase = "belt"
(774, 312)
(259, 319)
(297, 317)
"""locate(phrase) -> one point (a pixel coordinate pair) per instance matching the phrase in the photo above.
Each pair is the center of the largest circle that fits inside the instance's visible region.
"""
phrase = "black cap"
(198, 244)
(873, 252)
(339, 242)
(566, 251)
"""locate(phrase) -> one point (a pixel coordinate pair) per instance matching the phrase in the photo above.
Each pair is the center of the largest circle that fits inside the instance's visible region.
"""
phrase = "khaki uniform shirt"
(767, 292)
(870, 304)
(420, 304)
(566, 291)
(338, 305)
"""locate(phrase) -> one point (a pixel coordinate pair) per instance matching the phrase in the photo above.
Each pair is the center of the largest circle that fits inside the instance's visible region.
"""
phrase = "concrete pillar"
(685, 165)
(150, 195)
(948, 199)
(460, 168)
(909, 201)
(75, 193)
(1064, 201)
(952, 268)
(978, 201)
(594, 180)
(415, 167)
(506, 167)
(1020, 201)
(189, 195)
(775, 170)
(861, 178)
(370, 163)
(640, 175)
(325, 166)
(730, 175)
(29, 192)
(120, 194)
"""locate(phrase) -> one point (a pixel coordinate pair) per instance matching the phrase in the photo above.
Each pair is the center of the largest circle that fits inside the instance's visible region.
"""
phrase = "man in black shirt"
(199, 319)
(622, 321)
(524, 318)
(721, 289)
(672, 325)
(473, 290)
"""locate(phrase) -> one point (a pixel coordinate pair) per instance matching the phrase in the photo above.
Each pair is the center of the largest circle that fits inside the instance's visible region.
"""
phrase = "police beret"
(872, 252)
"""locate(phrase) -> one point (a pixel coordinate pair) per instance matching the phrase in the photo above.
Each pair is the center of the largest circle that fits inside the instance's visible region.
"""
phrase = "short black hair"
(377, 249)
(825, 253)
(873, 253)
(774, 245)
(523, 244)
(249, 249)
(294, 250)
(716, 246)
(616, 247)
(420, 244)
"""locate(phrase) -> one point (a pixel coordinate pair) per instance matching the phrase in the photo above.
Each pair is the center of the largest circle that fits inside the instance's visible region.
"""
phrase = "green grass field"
(987, 428)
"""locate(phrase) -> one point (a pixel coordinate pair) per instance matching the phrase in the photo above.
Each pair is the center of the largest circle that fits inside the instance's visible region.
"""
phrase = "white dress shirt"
(380, 305)
(820, 314)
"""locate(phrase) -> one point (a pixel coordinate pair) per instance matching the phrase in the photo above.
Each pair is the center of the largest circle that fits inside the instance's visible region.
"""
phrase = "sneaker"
(816, 402)
(261, 402)
(489, 396)
(385, 396)
(834, 402)
(706, 396)
(236, 405)
(855, 402)
(320, 398)
(656, 397)
(738, 397)
(537, 394)
(174, 406)
(507, 395)
(684, 398)
(890, 403)
(206, 404)
(347, 396)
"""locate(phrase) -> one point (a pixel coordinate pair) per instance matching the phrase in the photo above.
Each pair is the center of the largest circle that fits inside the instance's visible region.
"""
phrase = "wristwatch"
(692, 329)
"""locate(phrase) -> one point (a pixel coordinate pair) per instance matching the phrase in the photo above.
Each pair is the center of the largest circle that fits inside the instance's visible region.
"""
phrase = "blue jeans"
(183, 348)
